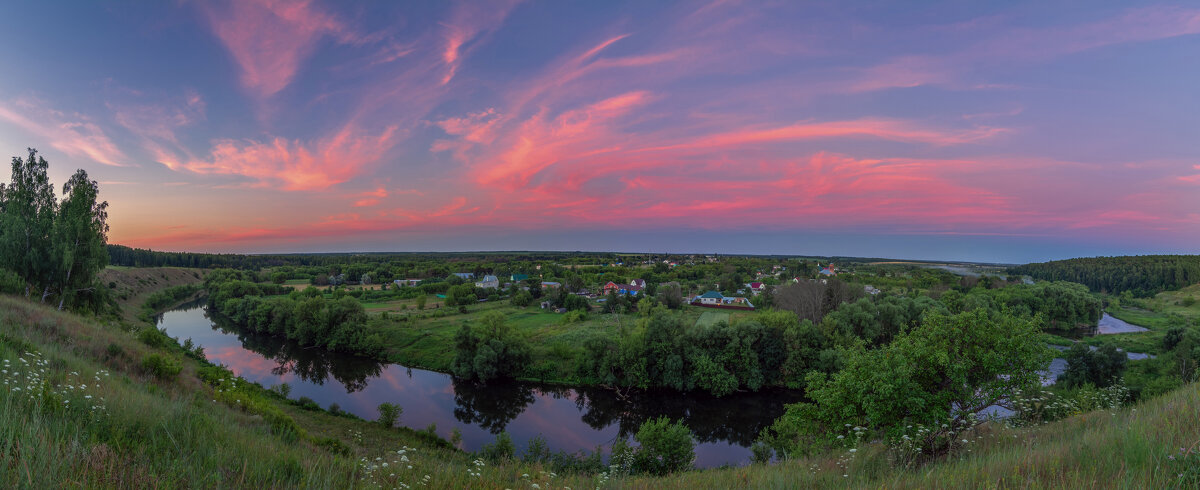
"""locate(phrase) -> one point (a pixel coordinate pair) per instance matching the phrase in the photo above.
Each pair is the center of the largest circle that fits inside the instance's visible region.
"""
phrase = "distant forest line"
(1141, 275)
(121, 255)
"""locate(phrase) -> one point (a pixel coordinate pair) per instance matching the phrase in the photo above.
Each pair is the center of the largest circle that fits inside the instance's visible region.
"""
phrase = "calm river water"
(569, 419)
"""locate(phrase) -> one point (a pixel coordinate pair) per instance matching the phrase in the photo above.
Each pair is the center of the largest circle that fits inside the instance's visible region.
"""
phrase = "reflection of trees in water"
(491, 405)
(313, 365)
(737, 419)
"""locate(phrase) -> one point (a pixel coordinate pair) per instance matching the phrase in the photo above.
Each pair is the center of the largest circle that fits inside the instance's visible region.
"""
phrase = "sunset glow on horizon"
(1020, 131)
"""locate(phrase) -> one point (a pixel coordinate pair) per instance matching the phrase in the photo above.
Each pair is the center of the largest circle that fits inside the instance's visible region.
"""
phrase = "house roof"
(756, 285)
(712, 294)
(520, 277)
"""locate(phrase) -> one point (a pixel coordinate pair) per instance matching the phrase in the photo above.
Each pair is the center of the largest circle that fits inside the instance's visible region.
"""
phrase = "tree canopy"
(57, 247)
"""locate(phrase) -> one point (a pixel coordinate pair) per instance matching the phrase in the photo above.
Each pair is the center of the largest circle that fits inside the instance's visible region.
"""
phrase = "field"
(426, 338)
(1159, 313)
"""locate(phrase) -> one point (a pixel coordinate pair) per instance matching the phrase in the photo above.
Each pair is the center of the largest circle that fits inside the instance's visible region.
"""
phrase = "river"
(571, 420)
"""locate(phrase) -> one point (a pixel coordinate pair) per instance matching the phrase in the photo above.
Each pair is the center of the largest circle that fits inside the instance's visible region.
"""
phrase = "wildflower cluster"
(852, 439)
(1186, 466)
(477, 471)
(620, 464)
(543, 480)
(356, 436)
(1045, 406)
(915, 443)
(31, 379)
(392, 471)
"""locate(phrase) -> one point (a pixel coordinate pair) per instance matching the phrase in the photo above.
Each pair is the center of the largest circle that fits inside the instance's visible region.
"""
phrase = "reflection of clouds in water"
(570, 420)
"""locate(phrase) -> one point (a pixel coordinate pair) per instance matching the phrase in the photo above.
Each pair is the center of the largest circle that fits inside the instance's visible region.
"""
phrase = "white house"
(489, 281)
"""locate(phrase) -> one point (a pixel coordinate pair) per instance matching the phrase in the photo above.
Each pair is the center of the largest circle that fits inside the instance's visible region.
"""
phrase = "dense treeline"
(771, 349)
(1142, 275)
(1061, 305)
(306, 317)
(53, 247)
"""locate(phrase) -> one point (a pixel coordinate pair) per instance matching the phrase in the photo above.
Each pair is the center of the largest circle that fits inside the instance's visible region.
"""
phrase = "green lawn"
(712, 317)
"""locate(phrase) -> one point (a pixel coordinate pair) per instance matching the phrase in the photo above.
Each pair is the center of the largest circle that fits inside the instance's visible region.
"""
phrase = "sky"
(1001, 131)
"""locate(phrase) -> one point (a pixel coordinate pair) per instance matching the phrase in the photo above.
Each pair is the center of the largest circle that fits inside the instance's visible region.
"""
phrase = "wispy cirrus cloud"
(292, 164)
(467, 24)
(74, 134)
(270, 39)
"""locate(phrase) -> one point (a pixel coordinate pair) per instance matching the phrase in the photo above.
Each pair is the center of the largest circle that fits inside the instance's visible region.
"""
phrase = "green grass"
(712, 318)
(1125, 448)
(180, 433)
(1159, 314)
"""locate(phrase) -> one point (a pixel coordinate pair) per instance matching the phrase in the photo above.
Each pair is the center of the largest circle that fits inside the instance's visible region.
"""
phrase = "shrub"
(760, 452)
(389, 414)
(154, 337)
(500, 449)
(307, 403)
(666, 447)
(10, 282)
(162, 367)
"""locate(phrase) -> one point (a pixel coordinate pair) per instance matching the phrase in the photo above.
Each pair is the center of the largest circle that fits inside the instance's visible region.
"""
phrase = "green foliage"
(10, 282)
(161, 366)
(666, 447)
(154, 337)
(57, 247)
(490, 350)
(501, 449)
(306, 317)
(947, 369)
(1101, 367)
(1141, 275)
(389, 414)
(521, 298)
(574, 316)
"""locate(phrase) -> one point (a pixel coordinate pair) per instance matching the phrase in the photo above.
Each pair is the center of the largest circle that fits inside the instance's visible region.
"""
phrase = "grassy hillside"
(139, 429)
(131, 286)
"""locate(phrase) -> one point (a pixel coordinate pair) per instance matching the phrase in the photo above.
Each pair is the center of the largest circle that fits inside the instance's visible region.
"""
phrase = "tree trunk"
(62, 295)
(45, 293)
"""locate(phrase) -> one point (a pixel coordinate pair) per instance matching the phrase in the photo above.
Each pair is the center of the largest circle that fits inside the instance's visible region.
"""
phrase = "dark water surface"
(570, 419)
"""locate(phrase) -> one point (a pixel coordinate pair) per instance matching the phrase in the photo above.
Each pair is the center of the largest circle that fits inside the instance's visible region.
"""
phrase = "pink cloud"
(160, 121)
(292, 164)
(270, 39)
(468, 23)
(73, 134)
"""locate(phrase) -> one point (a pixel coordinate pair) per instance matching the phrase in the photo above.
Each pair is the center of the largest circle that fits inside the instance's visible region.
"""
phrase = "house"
(757, 288)
(466, 276)
(641, 283)
(829, 271)
(489, 282)
(872, 290)
(518, 277)
(713, 299)
(407, 282)
(550, 284)
(709, 298)
(628, 289)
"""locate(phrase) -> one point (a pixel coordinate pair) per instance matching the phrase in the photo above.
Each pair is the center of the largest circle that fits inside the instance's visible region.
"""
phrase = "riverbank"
(158, 432)
(571, 419)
